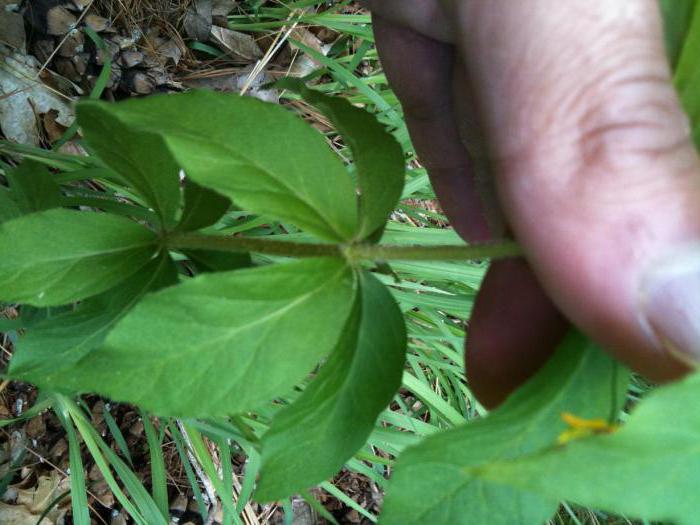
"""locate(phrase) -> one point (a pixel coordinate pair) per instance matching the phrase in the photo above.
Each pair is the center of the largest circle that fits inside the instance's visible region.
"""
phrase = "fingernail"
(671, 304)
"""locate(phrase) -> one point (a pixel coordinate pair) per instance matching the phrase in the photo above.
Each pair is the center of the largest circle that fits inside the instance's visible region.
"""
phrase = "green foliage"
(59, 342)
(337, 411)
(139, 158)
(296, 362)
(378, 160)
(213, 261)
(687, 73)
(447, 478)
(203, 207)
(33, 188)
(221, 343)
(59, 256)
(649, 468)
(8, 207)
(259, 155)
(678, 15)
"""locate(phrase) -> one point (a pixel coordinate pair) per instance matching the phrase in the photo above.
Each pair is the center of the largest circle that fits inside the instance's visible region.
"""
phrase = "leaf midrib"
(215, 341)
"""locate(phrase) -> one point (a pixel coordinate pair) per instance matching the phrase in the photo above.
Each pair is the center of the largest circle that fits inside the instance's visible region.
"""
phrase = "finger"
(596, 170)
(513, 330)
(423, 85)
(423, 16)
(498, 360)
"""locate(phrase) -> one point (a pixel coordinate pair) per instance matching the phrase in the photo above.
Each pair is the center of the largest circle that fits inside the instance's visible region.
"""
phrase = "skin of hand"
(557, 122)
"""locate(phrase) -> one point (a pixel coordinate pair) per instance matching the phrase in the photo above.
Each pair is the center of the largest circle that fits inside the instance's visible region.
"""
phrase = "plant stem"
(352, 252)
(447, 252)
(252, 244)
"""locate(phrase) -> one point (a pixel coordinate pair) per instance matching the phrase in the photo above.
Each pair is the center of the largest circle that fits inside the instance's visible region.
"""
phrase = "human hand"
(557, 122)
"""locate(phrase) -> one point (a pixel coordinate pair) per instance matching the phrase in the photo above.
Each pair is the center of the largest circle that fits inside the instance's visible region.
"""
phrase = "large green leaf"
(687, 74)
(203, 207)
(141, 159)
(33, 187)
(221, 343)
(445, 479)
(379, 160)
(8, 207)
(311, 439)
(678, 15)
(260, 155)
(649, 469)
(60, 256)
(60, 341)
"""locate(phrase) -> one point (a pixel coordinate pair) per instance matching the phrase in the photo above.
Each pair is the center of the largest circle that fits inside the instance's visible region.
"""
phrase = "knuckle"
(618, 141)
(629, 120)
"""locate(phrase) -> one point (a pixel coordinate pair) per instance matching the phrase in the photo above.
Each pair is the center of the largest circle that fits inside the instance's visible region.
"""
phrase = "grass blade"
(159, 485)
(78, 489)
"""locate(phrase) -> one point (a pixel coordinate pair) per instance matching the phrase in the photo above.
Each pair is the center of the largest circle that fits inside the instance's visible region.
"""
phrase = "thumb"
(594, 166)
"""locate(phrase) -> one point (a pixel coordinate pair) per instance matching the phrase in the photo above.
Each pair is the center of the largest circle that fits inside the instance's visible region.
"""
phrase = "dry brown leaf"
(16, 515)
(29, 504)
(96, 22)
(171, 51)
(220, 10)
(238, 45)
(304, 64)
(23, 98)
(72, 45)
(38, 498)
(36, 427)
(11, 26)
(198, 20)
(59, 21)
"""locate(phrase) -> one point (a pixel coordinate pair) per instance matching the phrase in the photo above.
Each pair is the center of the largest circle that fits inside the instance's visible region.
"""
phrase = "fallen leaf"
(36, 499)
(59, 21)
(238, 45)
(23, 98)
(16, 515)
(11, 26)
(72, 45)
(29, 504)
(198, 20)
(304, 64)
(129, 59)
(220, 10)
(170, 50)
(96, 23)
(138, 82)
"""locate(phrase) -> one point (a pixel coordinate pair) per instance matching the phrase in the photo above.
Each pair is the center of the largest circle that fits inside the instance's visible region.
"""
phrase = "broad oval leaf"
(221, 343)
(59, 256)
(8, 207)
(445, 479)
(33, 187)
(678, 15)
(260, 155)
(684, 40)
(378, 157)
(649, 469)
(141, 159)
(62, 340)
(310, 440)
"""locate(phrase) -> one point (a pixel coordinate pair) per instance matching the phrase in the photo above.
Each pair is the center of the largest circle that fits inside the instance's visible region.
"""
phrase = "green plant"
(220, 346)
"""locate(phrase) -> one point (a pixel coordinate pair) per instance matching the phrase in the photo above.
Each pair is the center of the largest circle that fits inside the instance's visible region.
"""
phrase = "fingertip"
(514, 329)
(595, 166)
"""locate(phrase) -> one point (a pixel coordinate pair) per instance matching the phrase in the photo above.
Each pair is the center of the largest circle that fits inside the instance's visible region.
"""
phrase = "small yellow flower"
(581, 428)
